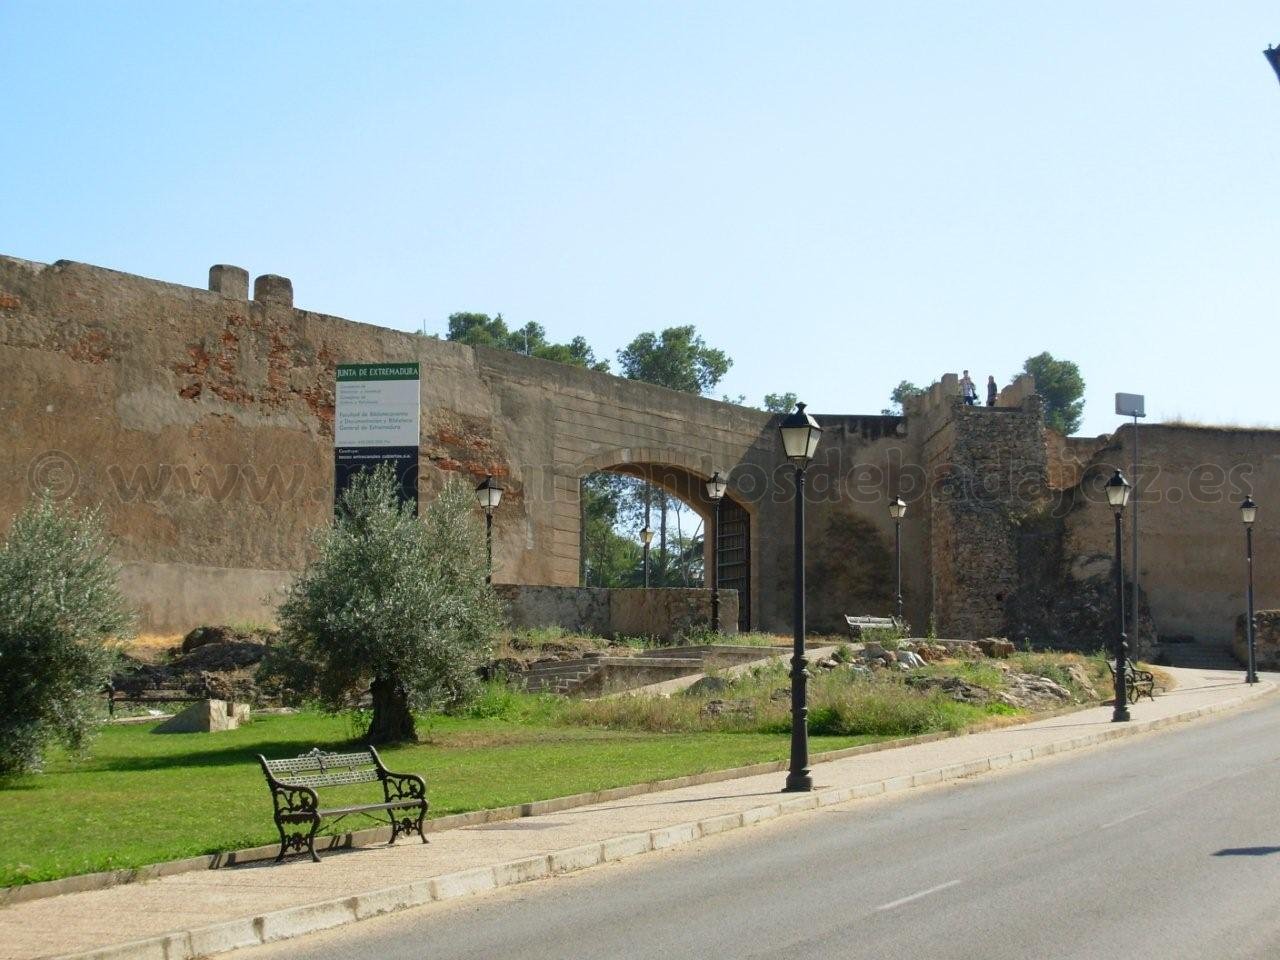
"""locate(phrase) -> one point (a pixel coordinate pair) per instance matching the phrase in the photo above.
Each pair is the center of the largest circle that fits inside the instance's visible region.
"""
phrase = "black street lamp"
(898, 510)
(646, 537)
(489, 495)
(715, 490)
(1249, 513)
(1273, 57)
(800, 436)
(1118, 495)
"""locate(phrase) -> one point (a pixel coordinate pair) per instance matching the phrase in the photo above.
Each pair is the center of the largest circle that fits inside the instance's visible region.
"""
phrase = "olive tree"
(62, 618)
(391, 605)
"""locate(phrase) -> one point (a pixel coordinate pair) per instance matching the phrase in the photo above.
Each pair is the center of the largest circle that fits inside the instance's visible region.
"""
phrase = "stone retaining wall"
(1266, 639)
(666, 613)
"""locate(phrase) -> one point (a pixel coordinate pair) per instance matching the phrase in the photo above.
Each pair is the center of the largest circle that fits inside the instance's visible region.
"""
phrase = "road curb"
(322, 915)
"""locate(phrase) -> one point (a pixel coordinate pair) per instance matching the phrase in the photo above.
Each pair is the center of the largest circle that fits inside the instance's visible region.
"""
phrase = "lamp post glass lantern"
(716, 487)
(800, 436)
(488, 495)
(897, 510)
(1249, 513)
(1118, 490)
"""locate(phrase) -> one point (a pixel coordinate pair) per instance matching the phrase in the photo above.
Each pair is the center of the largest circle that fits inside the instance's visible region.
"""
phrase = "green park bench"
(294, 784)
(1137, 683)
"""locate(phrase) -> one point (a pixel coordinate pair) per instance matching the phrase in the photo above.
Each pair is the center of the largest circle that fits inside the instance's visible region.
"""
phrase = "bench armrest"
(288, 797)
(404, 786)
(293, 797)
(399, 786)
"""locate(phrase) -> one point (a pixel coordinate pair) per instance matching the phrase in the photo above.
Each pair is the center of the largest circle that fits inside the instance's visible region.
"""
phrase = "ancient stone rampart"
(201, 421)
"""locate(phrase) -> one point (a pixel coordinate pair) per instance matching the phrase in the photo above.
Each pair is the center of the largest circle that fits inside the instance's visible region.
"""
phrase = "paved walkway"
(199, 913)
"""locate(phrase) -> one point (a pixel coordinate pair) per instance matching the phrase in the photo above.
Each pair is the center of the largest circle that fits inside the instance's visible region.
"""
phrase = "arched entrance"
(682, 477)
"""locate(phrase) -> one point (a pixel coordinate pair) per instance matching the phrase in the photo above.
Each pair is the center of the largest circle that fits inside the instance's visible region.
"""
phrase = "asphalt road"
(1167, 846)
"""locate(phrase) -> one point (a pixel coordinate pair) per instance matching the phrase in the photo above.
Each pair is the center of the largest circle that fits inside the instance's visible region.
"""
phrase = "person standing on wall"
(968, 390)
(992, 391)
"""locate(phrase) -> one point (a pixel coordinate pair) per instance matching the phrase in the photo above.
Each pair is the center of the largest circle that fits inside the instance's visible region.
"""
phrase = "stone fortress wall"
(1191, 542)
(201, 422)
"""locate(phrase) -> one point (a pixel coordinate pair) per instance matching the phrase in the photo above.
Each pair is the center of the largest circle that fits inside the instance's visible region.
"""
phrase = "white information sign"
(377, 405)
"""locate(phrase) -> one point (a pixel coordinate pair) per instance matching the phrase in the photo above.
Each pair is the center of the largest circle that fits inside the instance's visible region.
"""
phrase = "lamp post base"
(798, 783)
(1120, 714)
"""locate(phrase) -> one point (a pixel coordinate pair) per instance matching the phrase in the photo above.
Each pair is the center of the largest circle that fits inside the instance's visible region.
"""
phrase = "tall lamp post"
(489, 495)
(646, 537)
(1118, 495)
(800, 436)
(898, 510)
(1249, 513)
(715, 490)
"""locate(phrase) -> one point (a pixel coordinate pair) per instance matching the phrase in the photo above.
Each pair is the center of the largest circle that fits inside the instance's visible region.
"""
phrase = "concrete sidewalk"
(199, 913)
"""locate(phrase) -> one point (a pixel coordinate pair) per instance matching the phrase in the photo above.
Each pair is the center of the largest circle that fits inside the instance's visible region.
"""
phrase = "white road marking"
(1116, 823)
(916, 896)
(1182, 793)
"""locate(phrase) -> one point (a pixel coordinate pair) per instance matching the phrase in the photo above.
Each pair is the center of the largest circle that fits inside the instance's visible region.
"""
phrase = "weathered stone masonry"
(201, 421)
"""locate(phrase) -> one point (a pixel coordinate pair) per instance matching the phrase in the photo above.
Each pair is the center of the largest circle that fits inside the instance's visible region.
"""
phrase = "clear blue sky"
(840, 195)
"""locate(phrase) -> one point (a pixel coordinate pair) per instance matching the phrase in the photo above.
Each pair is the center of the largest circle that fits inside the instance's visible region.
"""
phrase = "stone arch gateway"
(684, 475)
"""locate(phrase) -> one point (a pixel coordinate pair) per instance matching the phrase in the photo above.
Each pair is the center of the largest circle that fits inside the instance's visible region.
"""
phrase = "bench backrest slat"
(320, 769)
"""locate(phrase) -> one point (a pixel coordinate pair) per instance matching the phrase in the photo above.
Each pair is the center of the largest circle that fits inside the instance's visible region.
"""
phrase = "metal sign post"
(1134, 405)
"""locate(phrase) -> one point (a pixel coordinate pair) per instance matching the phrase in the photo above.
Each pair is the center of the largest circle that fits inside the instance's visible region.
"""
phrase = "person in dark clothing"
(992, 391)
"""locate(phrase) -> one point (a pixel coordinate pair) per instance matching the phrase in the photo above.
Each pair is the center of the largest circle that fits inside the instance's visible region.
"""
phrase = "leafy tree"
(898, 397)
(609, 558)
(481, 330)
(780, 402)
(677, 358)
(391, 605)
(61, 618)
(1060, 384)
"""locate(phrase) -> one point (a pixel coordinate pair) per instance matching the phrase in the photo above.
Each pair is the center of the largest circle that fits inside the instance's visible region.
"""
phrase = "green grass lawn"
(138, 797)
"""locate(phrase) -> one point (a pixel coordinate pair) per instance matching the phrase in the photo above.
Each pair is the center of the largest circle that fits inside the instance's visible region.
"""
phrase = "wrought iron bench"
(294, 783)
(858, 626)
(1137, 683)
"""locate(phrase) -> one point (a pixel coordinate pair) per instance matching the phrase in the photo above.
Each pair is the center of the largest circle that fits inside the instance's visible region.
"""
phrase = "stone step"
(563, 678)
(670, 653)
(560, 672)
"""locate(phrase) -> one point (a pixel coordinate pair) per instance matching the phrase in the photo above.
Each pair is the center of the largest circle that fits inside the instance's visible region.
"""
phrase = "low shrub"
(756, 639)
(977, 672)
(887, 637)
(552, 638)
(885, 710)
(649, 714)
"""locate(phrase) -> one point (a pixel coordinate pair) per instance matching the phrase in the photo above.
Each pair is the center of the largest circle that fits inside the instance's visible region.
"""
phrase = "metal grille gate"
(733, 557)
